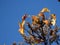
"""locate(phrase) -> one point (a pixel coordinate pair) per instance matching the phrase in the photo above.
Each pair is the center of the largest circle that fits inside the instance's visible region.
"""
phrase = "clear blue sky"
(11, 10)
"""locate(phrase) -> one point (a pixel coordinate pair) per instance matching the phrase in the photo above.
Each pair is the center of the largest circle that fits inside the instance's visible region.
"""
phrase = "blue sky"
(12, 10)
